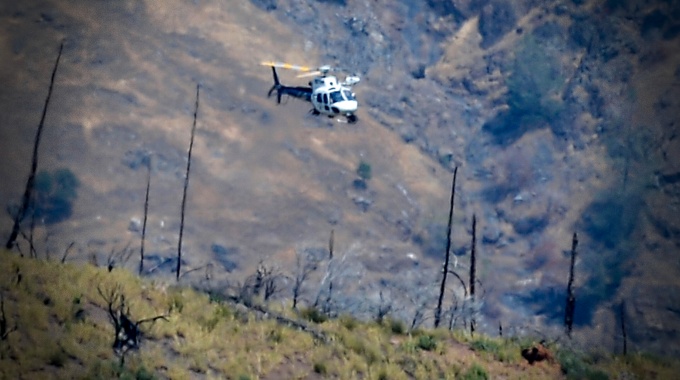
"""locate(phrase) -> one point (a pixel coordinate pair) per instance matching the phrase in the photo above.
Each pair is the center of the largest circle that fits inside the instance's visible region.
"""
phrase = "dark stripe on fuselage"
(304, 93)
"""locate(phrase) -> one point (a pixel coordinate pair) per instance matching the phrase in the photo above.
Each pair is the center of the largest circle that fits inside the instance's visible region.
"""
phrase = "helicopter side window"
(336, 96)
(318, 98)
(348, 94)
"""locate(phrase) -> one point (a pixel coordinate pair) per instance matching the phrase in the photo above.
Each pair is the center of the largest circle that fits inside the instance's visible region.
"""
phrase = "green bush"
(314, 315)
(475, 372)
(396, 326)
(364, 170)
(427, 342)
(575, 366)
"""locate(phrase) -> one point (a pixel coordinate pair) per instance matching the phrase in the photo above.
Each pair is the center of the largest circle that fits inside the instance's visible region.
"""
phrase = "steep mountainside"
(560, 116)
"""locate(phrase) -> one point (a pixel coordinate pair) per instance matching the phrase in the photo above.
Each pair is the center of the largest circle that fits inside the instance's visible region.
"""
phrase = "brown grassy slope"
(62, 331)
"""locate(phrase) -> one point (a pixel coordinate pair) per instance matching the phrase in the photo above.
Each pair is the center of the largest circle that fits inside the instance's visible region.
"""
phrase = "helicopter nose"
(346, 106)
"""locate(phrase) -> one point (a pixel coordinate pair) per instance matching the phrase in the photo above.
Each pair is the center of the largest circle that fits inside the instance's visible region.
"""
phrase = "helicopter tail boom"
(304, 93)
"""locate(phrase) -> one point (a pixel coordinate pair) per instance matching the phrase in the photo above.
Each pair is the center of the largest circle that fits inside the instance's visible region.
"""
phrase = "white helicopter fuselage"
(332, 98)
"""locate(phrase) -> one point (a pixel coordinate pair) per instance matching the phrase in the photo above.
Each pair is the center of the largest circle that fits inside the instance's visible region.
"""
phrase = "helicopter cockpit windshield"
(348, 94)
(336, 96)
(341, 95)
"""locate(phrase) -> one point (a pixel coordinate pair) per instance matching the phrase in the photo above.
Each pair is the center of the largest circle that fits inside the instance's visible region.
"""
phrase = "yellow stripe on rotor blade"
(284, 65)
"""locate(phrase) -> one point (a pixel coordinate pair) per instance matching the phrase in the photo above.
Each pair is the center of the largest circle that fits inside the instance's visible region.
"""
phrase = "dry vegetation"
(56, 326)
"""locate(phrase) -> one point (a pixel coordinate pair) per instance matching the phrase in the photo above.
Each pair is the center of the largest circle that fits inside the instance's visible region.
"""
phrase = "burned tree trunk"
(571, 299)
(127, 332)
(186, 186)
(303, 268)
(5, 330)
(28, 192)
(447, 255)
(622, 313)
(329, 298)
(473, 270)
(146, 213)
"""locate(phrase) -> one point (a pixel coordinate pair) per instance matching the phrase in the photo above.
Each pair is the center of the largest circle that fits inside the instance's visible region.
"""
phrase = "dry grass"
(63, 331)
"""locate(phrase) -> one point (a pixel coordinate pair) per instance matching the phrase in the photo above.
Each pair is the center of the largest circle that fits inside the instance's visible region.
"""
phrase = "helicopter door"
(317, 101)
(325, 102)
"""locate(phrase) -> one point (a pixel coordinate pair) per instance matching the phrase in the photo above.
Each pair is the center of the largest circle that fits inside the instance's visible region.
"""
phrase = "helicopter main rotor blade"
(284, 65)
(309, 74)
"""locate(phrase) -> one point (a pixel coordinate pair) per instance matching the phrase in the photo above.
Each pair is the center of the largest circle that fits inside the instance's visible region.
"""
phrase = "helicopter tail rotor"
(277, 86)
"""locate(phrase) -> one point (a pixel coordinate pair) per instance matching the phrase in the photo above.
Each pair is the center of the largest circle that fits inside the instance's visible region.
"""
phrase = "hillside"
(57, 326)
(561, 117)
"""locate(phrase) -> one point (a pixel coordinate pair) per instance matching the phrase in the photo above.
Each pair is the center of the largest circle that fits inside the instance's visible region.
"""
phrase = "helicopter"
(328, 97)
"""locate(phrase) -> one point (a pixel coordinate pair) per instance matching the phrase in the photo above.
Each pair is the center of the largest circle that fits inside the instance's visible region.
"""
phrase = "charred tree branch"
(571, 299)
(442, 289)
(186, 186)
(28, 192)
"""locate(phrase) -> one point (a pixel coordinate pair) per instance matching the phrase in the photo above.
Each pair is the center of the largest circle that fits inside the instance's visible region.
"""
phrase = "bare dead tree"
(329, 297)
(186, 187)
(447, 254)
(31, 231)
(460, 279)
(420, 294)
(127, 331)
(304, 267)
(67, 251)
(146, 213)
(385, 307)
(118, 257)
(28, 191)
(32, 253)
(327, 277)
(473, 269)
(455, 308)
(622, 314)
(48, 251)
(418, 316)
(265, 281)
(5, 330)
(571, 299)
(453, 312)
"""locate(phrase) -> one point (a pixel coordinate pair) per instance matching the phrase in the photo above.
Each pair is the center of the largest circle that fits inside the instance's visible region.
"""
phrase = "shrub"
(349, 322)
(314, 315)
(576, 367)
(320, 368)
(475, 372)
(396, 326)
(364, 170)
(427, 342)
(485, 345)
